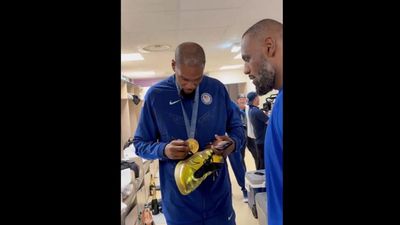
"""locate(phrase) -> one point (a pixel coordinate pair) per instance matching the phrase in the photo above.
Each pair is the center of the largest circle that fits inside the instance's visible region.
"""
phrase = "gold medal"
(193, 145)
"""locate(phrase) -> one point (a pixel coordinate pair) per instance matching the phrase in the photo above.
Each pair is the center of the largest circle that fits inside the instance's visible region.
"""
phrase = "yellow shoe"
(191, 172)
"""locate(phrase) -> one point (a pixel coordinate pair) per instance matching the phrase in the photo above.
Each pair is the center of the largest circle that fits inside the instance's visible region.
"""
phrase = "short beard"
(266, 80)
(188, 96)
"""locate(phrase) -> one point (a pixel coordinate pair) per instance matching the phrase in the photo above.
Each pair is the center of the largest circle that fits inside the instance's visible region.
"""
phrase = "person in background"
(250, 137)
(258, 119)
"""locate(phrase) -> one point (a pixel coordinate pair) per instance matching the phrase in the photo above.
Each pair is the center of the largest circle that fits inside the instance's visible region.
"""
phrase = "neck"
(278, 77)
(188, 96)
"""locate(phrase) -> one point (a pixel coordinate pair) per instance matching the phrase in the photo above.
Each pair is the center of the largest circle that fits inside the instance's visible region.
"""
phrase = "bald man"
(262, 53)
(186, 105)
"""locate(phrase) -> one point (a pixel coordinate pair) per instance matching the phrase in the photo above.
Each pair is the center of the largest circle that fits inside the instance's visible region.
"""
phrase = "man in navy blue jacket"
(186, 105)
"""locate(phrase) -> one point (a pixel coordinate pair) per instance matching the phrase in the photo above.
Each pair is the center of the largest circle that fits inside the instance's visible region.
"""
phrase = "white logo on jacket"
(173, 102)
(206, 98)
(230, 217)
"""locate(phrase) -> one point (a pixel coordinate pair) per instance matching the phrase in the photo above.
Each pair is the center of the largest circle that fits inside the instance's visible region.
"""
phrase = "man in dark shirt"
(259, 120)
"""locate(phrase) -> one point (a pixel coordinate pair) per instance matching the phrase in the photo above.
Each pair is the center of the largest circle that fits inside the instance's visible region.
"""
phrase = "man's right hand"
(177, 149)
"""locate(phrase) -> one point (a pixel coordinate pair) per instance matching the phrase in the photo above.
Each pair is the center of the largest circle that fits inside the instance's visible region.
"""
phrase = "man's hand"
(219, 140)
(177, 149)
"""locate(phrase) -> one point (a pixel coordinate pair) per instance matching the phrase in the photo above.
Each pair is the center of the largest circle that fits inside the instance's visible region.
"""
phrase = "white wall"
(226, 77)
(237, 76)
(230, 76)
(143, 92)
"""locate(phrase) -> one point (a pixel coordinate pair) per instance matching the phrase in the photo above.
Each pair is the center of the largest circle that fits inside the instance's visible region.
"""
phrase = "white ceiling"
(215, 24)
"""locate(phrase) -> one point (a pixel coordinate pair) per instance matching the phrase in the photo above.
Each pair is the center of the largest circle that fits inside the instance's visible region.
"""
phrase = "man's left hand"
(223, 152)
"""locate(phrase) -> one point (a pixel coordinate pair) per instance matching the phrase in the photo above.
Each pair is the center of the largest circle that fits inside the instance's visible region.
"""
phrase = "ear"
(173, 64)
(270, 46)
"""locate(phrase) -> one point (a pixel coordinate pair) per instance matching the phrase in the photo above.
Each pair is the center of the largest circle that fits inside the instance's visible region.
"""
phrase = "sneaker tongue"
(206, 167)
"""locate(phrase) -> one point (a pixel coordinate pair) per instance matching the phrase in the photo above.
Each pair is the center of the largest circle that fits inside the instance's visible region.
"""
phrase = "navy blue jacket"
(273, 158)
(259, 121)
(161, 121)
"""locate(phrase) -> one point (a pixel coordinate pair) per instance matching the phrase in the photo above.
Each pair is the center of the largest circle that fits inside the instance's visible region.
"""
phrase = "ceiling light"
(225, 45)
(137, 74)
(131, 57)
(238, 56)
(235, 48)
(155, 48)
(231, 67)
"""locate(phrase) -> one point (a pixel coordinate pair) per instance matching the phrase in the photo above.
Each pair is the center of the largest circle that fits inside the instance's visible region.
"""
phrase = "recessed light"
(238, 56)
(231, 67)
(131, 57)
(135, 74)
(235, 48)
(154, 48)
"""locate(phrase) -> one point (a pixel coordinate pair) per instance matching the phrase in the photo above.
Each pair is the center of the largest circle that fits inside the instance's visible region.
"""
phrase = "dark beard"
(266, 80)
(188, 96)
